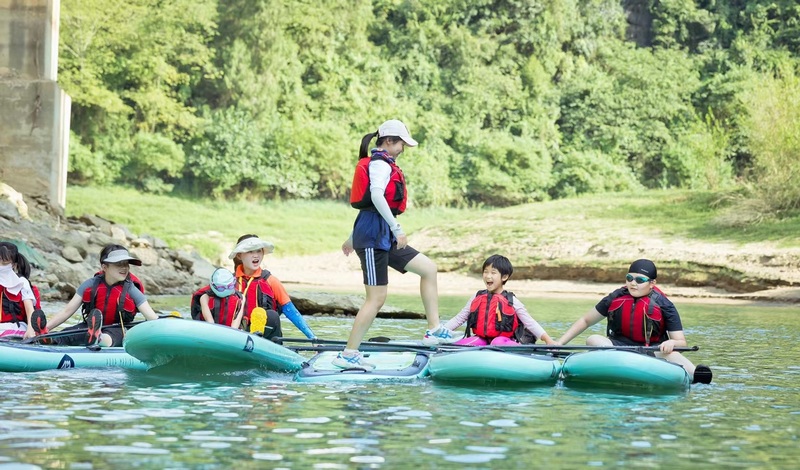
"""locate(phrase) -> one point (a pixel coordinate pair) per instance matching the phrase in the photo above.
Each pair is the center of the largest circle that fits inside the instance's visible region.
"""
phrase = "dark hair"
(237, 261)
(10, 253)
(363, 151)
(108, 249)
(501, 264)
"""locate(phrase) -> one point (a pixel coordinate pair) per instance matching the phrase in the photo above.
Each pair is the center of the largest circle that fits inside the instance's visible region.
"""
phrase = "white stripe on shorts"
(369, 256)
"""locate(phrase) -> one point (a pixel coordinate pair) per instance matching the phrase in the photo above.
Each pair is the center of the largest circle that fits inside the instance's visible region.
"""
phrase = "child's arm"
(68, 310)
(207, 316)
(530, 324)
(460, 318)
(237, 318)
(147, 311)
(294, 316)
(287, 307)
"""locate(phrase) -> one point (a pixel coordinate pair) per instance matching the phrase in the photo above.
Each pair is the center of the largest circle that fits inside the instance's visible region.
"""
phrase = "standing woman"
(379, 192)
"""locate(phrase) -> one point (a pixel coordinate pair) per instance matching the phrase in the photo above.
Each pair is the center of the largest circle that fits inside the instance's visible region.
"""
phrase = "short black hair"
(501, 264)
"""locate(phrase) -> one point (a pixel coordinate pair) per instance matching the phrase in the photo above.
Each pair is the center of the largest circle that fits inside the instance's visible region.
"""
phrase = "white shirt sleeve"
(530, 324)
(379, 174)
(461, 317)
(27, 292)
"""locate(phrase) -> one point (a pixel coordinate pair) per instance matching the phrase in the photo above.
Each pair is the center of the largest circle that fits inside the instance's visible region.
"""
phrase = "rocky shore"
(65, 252)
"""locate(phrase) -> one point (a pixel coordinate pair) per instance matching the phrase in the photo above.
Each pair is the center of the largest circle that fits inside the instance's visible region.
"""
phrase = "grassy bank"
(310, 227)
(296, 227)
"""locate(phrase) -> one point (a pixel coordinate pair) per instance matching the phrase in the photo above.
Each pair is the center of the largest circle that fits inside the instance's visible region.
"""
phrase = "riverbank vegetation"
(314, 227)
(513, 101)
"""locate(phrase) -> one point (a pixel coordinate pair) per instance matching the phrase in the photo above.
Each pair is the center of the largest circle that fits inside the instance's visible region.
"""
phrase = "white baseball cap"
(395, 128)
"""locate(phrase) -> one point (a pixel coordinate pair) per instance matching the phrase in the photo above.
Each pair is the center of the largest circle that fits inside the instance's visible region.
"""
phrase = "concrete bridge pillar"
(34, 110)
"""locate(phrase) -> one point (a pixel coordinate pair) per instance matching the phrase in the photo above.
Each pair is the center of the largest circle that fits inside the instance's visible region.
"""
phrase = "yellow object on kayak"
(258, 320)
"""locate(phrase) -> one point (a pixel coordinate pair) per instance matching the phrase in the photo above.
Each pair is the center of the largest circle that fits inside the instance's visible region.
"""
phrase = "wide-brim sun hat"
(118, 256)
(395, 128)
(252, 244)
(222, 282)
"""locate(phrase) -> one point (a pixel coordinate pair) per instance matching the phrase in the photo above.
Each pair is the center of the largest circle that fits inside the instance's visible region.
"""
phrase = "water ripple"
(126, 450)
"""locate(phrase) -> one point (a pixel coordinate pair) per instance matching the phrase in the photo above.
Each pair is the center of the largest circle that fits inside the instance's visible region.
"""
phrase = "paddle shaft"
(376, 346)
(60, 333)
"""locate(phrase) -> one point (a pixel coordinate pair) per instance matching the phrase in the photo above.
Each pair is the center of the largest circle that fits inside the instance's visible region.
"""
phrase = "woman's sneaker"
(352, 361)
(95, 327)
(441, 335)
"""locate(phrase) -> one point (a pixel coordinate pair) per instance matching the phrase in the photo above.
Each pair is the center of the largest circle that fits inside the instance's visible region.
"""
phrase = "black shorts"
(79, 338)
(375, 263)
(625, 341)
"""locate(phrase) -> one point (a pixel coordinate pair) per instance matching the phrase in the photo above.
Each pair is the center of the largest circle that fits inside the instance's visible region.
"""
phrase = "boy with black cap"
(639, 314)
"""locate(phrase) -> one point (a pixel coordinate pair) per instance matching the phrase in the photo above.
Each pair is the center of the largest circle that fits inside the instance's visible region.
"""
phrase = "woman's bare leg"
(376, 296)
(426, 269)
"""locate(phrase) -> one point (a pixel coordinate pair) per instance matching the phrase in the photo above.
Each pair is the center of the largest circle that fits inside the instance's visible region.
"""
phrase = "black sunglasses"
(638, 279)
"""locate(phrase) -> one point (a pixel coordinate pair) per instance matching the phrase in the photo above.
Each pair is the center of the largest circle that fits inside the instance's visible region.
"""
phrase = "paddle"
(60, 333)
(381, 343)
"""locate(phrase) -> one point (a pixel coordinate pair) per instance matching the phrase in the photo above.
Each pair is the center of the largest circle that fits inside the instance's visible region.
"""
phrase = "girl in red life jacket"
(260, 288)
(18, 299)
(495, 316)
(639, 314)
(379, 192)
(219, 302)
(110, 298)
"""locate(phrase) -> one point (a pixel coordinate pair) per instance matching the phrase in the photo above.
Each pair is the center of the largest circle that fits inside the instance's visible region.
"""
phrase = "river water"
(749, 417)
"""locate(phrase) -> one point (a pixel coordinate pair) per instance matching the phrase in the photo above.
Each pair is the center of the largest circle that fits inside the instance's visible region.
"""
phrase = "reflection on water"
(120, 419)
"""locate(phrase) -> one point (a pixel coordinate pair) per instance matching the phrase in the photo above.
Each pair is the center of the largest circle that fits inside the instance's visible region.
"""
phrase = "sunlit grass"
(312, 227)
(295, 227)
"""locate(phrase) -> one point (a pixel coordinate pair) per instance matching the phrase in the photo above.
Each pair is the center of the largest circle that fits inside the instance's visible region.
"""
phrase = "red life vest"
(492, 315)
(256, 292)
(395, 193)
(637, 318)
(114, 301)
(223, 309)
(10, 311)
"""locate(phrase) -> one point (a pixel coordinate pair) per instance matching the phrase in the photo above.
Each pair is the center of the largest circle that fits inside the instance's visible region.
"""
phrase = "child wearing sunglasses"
(639, 314)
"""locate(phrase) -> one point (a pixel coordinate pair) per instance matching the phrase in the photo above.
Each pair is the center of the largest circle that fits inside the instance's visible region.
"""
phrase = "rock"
(310, 303)
(118, 234)
(8, 210)
(147, 255)
(18, 208)
(72, 254)
(95, 221)
(200, 267)
(101, 239)
(185, 259)
(142, 242)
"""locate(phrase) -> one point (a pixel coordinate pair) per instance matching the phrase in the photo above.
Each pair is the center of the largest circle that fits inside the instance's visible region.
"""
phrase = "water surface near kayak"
(747, 418)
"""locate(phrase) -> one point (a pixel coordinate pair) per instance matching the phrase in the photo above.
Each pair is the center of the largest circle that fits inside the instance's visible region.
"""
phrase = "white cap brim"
(252, 244)
(395, 128)
(117, 256)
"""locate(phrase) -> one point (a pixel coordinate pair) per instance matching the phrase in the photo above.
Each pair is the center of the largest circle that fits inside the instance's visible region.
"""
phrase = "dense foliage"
(512, 100)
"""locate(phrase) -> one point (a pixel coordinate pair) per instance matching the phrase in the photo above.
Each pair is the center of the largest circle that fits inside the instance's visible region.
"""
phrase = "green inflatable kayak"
(490, 366)
(19, 357)
(614, 369)
(198, 346)
(397, 366)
